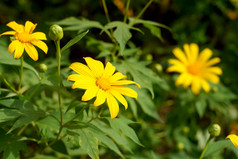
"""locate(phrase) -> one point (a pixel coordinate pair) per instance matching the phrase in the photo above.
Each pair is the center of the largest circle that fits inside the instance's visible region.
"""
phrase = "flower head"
(234, 139)
(24, 39)
(102, 83)
(195, 69)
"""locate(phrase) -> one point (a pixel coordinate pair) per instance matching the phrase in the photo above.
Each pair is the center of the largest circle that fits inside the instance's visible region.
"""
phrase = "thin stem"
(106, 11)
(127, 8)
(21, 73)
(57, 44)
(78, 114)
(205, 148)
(142, 12)
(8, 84)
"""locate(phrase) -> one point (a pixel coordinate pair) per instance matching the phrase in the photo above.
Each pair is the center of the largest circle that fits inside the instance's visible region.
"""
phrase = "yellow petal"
(117, 76)
(15, 26)
(41, 45)
(38, 35)
(8, 33)
(81, 81)
(187, 52)
(19, 50)
(205, 55)
(215, 70)
(13, 45)
(213, 61)
(125, 91)
(234, 139)
(211, 77)
(181, 79)
(100, 99)
(124, 82)
(177, 68)
(90, 93)
(29, 27)
(196, 85)
(119, 97)
(187, 81)
(113, 105)
(81, 69)
(109, 70)
(194, 49)
(175, 62)
(180, 55)
(31, 51)
(96, 66)
(205, 85)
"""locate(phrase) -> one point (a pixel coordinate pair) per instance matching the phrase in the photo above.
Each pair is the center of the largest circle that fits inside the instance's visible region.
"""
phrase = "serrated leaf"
(89, 143)
(11, 145)
(147, 105)
(201, 107)
(154, 31)
(74, 41)
(8, 114)
(121, 124)
(59, 146)
(28, 110)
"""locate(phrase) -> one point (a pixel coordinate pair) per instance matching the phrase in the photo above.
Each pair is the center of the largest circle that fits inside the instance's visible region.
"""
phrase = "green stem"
(142, 12)
(9, 85)
(57, 44)
(106, 11)
(127, 8)
(21, 73)
(205, 148)
(78, 114)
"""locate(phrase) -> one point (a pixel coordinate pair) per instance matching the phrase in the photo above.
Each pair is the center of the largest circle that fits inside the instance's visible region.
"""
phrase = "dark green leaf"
(201, 107)
(74, 40)
(59, 146)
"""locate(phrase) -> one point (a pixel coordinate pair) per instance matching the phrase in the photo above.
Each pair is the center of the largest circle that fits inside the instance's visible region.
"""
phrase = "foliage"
(137, 37)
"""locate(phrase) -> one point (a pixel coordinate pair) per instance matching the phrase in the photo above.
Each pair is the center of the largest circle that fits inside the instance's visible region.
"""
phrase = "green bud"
(214, 130)
(180, 146)
(43, 67)
(186, 129)
(149, 57)
(56, 32)
(158, 67)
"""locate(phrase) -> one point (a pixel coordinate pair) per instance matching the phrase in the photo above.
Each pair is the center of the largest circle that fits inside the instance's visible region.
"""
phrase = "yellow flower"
(234, 139)
(195, 69)
(102, 83)
(25, 39)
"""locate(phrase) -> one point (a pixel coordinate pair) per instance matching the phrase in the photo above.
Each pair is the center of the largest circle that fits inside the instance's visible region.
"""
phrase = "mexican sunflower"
(24, 39)
(195, 69)
(102, 83)
(234, 139)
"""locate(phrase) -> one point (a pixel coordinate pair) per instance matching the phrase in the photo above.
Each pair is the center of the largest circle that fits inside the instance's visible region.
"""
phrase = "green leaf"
(217, 146)
(74, 41)
(201, 107)
(28, 110)
(121, 124)
(122, 33)
(154, 31)
(147, 105)
(89, 143)
(59, 146)
(11, 145)
(9, 114)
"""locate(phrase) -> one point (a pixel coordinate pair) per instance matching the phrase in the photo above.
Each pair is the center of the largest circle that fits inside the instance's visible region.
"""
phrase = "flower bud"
(56, 32)
(158, 67)
(43, 67)
(180, 146)
(214, 130)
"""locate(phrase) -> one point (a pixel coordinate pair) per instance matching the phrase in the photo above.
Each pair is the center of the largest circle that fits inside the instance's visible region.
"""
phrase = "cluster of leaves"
(164, 122)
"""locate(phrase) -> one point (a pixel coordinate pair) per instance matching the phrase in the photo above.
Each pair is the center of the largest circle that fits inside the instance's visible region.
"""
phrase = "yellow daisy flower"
(102, 83)
(195, 69)
(234, 139)
(25, 40)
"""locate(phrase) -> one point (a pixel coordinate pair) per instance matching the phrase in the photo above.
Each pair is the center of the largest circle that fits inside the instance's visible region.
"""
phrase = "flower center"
(23, 37)
(194, 69)
(103, 83)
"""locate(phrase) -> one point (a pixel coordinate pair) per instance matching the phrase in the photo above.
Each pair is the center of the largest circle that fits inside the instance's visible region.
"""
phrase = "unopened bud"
(214, 130)
(180, 146)
(158, 67)
(56, 32)
(43, 67)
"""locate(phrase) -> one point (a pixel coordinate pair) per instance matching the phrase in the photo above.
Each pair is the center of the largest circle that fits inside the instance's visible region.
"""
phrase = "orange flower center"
(194, 69)
(103, 83)
(23, 37)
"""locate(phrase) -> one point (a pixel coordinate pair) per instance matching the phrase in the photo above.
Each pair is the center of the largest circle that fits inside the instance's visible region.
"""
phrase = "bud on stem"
(56, 32)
